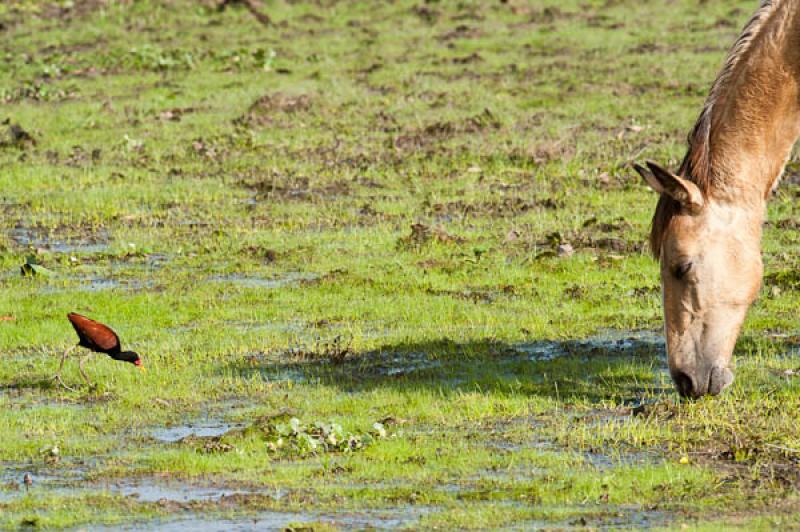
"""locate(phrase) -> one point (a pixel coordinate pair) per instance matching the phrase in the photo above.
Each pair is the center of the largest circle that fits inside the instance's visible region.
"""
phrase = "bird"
(28, 480)
(98, 338)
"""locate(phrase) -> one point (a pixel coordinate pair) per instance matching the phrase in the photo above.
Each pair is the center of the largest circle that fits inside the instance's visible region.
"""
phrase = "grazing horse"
(706, 229)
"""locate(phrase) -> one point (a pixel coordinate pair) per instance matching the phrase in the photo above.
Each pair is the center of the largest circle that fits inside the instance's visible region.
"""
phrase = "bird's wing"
(98, 334)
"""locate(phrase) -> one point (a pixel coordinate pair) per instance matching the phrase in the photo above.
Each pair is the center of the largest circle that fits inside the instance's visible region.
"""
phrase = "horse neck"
(756, 120)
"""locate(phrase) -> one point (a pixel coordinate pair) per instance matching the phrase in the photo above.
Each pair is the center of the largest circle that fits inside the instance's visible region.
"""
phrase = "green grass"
(386, 183)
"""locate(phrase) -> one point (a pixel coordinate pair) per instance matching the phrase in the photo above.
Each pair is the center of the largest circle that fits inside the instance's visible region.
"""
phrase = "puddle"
(59, 478)
(630, 518)
(156, 490)
(142, 489)
(608, 343)
(29, 237)
(366, 366)
(602, 518)
(94, 284)
(55, 475)
(265, 521)
(605, 462)
(398, 365)
(210, 429)
(99, 284)
(287, 279)
(286, 375)
(156, 259)
(541, 351)
(280, 521)
(147, 490)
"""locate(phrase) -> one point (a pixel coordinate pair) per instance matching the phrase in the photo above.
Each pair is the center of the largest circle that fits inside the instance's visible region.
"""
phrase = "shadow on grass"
(28, 382)
(623, 367)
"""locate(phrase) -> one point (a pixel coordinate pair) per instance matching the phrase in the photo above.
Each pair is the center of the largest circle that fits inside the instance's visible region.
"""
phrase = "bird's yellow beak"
(142, 369)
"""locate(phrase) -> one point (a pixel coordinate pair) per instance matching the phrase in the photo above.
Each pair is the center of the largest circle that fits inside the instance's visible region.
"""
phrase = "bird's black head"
(132, 357)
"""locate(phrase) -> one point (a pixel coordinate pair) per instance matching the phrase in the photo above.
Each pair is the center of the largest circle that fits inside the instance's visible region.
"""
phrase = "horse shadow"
(621, 367)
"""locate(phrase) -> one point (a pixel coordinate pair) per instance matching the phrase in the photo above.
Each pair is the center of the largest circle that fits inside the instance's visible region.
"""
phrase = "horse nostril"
(719, 379)
(684, 384)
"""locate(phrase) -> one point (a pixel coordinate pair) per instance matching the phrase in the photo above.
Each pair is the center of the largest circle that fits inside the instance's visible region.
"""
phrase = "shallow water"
(28, 237)
(151, 490)
(608, 342)
(76, 480)
(282, 281)
(93, 284)
(208, 429)
(61, 479)
(279, 521)
(270, 521)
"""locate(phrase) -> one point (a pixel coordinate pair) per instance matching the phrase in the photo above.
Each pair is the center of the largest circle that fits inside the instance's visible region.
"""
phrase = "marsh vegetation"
(384, 262)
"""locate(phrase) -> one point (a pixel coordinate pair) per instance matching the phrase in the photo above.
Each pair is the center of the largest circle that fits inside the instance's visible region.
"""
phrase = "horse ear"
(649, 178)
(681, 190)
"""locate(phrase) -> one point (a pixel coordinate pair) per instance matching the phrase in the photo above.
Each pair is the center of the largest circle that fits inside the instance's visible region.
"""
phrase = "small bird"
(28, 480)
(98, 338)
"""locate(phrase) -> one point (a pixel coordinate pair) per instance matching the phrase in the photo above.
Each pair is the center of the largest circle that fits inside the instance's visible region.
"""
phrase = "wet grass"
(412, 227)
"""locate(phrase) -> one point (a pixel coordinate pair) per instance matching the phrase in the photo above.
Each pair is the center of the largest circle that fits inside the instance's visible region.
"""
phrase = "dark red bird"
(101, 339)
(98, 338)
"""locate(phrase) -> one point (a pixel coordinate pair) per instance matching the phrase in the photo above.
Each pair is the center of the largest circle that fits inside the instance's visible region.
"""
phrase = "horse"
(706, 229)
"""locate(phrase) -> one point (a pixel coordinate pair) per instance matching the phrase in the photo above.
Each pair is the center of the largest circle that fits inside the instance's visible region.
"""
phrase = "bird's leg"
(57, 376)
(64, 359)
(83, 373)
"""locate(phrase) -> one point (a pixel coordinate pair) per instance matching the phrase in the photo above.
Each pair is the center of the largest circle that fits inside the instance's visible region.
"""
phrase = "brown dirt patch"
(424, 138)
(263, 111)
(500, 207)
(287, 186)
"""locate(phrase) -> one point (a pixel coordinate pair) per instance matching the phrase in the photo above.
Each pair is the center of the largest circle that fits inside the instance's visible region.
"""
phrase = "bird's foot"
(57, 377)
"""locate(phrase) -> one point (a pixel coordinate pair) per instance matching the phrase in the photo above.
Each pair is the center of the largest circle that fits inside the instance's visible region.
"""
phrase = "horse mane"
(697, 165)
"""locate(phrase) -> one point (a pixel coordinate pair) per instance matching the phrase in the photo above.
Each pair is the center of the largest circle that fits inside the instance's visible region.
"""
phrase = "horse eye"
(681, 270)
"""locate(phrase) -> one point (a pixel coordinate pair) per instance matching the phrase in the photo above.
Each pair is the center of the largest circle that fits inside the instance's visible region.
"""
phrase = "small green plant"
(296, 438)
(154, 58)
(31, 268)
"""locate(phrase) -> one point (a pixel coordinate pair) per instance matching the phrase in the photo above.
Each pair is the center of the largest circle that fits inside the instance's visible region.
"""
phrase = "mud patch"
(504, 207)
(427, 138)
(294, 187)
(265, 109)
(17, 137)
